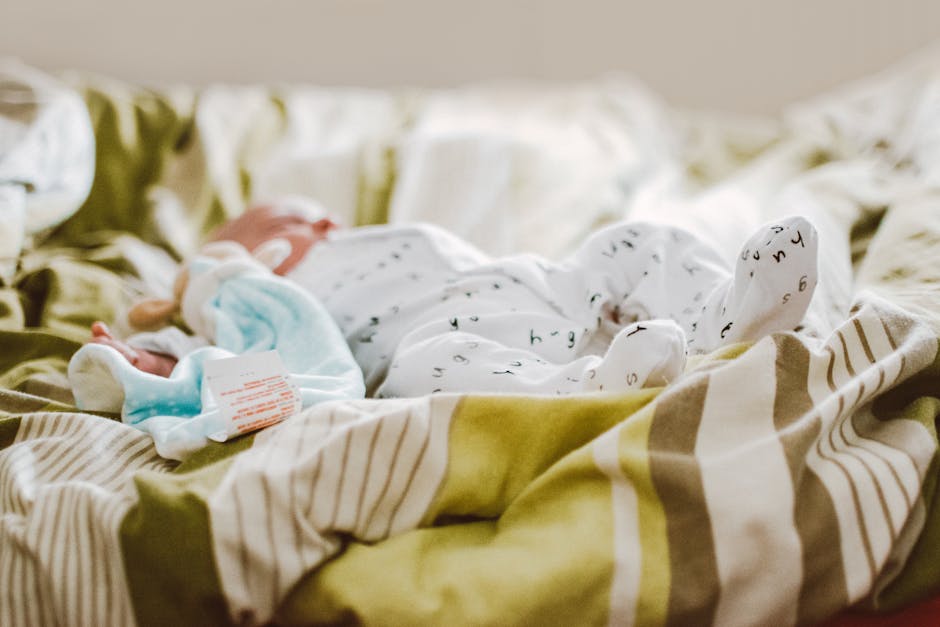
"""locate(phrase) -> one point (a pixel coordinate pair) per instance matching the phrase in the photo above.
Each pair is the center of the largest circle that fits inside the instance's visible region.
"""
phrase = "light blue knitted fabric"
(248, 310)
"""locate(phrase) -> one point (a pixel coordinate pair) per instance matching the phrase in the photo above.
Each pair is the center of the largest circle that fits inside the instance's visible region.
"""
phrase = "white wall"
(739, 55)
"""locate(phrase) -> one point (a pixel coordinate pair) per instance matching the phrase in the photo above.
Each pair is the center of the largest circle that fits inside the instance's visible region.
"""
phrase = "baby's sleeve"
(169, 341)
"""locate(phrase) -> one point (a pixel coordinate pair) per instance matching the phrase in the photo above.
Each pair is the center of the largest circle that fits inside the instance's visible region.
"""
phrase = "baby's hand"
(259, 225)
(147, 361)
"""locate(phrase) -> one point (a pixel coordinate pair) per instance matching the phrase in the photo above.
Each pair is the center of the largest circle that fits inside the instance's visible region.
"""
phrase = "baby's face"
(263, 224)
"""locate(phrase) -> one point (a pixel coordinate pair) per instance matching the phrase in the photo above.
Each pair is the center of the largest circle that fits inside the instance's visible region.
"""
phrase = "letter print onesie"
(425, 312)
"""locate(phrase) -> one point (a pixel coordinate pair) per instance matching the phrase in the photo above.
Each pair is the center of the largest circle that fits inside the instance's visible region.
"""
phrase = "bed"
(780, 482)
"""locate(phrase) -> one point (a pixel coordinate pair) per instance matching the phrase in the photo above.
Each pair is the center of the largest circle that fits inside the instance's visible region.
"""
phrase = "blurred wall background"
(735, 55)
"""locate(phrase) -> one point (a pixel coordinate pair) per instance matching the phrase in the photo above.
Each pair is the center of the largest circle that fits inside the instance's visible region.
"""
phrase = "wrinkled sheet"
(773, 483)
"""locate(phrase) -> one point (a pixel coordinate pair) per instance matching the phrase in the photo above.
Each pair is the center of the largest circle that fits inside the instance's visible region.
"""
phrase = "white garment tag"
(253, 391)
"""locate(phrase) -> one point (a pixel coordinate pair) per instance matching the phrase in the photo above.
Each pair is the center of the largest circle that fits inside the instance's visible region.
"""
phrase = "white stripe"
(854, 348)
(243, 484)
(88, 569)
(292, 559)
(325, 494)
(902, 548)
(30, 424)
(892, 495)
(840, 374)
(280, 529)
(875, 525)
(740, 454)
(9, 607)
(248, 507)
(867, 372)
(92, 464)
(355, 476)
(894, 471)
(62, 463)
(860, 457)
(416, 437)
(392, 429)
(817, 386)
(918, 343)
(30, 611)
(58, 571)
(878, 342)
(430, 471)
(112, 515)
(16, 480)
(113, 475)
(53, 547)
(909, 445)
(628, 556)
(97, 600)
(869, 474)
(852, 547)
(313, 546)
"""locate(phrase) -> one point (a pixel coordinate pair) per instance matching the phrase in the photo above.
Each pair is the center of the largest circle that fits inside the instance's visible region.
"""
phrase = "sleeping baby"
(423, 311)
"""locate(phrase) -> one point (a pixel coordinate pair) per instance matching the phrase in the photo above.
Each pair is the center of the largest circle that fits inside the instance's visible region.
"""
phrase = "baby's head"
(274, 236)
(297, 224)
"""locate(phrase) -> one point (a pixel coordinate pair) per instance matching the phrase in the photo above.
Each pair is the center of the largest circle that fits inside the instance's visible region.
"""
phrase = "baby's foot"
(645, 354)
(147, 361)
(773, 283)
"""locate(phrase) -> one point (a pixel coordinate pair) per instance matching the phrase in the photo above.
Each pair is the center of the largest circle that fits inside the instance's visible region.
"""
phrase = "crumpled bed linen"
(778, 482)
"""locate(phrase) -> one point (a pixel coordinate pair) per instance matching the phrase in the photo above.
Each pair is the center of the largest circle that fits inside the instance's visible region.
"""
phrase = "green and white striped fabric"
(772, 484)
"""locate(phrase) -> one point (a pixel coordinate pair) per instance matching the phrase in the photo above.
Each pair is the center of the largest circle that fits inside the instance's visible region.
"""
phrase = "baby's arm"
(262, 224)
(155, 353)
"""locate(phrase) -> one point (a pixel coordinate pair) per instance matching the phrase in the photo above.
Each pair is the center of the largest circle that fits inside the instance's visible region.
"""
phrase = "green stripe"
(633, 451)
(529, 463)
(8, 430)
(499, 445)
(823, 588)
(167, 545)
(695, 587)
(375, 189)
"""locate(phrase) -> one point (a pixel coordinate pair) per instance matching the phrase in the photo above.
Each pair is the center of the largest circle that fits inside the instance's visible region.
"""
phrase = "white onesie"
(425, 312)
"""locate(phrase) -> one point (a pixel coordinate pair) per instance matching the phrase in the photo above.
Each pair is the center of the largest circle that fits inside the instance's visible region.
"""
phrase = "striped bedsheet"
(773, 484)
